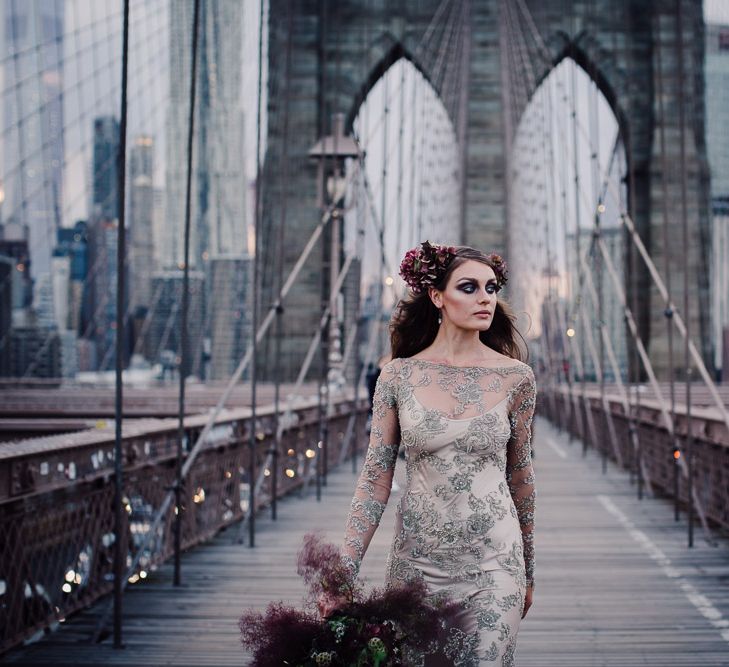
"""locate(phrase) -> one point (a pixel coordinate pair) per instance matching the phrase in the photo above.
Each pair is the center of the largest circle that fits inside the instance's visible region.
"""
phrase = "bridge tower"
(328, 55)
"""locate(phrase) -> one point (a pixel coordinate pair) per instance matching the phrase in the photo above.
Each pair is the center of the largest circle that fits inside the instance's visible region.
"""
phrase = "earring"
(440, 317)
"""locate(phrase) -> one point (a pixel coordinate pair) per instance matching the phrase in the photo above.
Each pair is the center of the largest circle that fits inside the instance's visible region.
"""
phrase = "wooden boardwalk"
(616, 585)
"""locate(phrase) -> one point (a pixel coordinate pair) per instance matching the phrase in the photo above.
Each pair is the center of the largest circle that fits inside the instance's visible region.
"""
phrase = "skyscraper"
(139, 223)
(7, 268)
(36, 352)
(103, 240)
(717, 141)
(228, 308)
(100, 290)
(218, 221)
(31, 154)
(72, 243)
(104, 172)
(717, 107)
(163, 341)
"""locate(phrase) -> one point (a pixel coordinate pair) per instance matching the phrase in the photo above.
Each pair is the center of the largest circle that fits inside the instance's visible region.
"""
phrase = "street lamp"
(331, 153)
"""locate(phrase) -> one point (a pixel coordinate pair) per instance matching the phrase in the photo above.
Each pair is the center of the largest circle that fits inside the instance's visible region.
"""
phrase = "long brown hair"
(414, 324)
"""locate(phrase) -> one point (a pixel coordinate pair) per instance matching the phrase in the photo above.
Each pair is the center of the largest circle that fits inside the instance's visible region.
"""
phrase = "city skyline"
(60, 141)
(75, 121)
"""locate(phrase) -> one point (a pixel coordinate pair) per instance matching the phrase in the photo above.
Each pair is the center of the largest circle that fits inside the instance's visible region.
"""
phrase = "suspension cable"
(184, 352)
(119, 522)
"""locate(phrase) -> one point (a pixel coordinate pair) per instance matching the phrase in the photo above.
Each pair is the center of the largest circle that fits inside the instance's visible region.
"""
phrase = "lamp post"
(331, 153)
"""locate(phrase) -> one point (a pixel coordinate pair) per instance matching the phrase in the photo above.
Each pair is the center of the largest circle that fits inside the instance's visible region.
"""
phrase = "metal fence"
(56, 500)
(639, 441)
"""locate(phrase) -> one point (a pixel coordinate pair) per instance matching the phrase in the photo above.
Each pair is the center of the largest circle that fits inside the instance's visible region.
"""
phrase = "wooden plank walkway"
(616, 584)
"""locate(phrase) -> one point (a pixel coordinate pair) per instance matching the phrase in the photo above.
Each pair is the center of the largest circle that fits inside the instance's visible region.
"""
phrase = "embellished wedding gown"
(465, 521)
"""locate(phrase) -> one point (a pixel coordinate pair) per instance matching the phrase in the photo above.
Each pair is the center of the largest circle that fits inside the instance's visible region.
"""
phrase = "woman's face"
(469, 298)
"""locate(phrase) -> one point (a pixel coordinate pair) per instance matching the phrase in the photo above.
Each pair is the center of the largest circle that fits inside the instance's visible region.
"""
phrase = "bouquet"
(376, 629)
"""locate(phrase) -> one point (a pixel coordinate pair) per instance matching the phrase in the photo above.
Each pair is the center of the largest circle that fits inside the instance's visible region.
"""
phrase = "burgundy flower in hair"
(500, 268)
(425, 266)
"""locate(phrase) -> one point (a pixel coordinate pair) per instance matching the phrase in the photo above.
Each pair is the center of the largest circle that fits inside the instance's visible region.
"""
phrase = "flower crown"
(500, 269)
(424, 266)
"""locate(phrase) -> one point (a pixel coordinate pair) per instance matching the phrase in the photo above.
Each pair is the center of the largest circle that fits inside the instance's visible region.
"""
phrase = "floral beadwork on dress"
(465, 520)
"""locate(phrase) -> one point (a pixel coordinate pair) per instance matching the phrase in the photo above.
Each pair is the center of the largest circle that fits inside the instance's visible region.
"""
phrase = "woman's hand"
(327, 604)
(527, 600)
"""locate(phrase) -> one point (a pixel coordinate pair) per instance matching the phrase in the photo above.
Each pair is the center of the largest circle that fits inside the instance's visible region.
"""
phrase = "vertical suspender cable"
(549, 173)
(577, 236)
(400, 149)
(562, 367)
(383, 205)
(686, 303)
(252, 431)
(325, 266)
(284, 184)
(598, 201)
(119, 555)
(568, 365)
(359, 366)
(184, 352)
(668, 311)
(335, 244)
(411, 235)
(633, 287)
(361, 213)
(465, 93)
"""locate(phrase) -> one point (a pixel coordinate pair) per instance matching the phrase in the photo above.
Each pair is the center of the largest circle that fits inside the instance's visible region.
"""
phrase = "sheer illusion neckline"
(451, 366)
(445, 416)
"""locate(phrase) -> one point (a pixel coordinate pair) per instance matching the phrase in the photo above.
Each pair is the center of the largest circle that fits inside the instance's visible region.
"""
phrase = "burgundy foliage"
(376, 629)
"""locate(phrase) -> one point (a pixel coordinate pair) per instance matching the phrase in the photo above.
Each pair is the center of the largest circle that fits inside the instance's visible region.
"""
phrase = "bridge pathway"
(616, 584)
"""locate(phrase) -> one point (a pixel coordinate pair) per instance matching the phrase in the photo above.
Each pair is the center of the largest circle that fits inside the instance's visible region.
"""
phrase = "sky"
(716, 11)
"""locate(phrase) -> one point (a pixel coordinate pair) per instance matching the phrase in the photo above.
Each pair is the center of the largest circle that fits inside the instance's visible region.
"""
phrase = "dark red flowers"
(500, 268)
(379, 629)
(424, 266)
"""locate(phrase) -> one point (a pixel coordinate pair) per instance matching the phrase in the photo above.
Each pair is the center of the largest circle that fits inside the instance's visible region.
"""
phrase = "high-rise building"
(228, 309)
(720, 284)
(159, 226)
(7, 269)
(100, 290)
(101, 280)
(61, 291)
(218, 212)
(14, 244)
(105, 201)
(717, 140)
(36, 352)
(717, 107)
(69, 353)
(32, 150)
(162, 343)
(43, 302)
(140, 222)
(72, 243)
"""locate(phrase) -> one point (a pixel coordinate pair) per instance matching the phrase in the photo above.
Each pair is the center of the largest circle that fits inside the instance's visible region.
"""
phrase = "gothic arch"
(396, 52)
(615, 43)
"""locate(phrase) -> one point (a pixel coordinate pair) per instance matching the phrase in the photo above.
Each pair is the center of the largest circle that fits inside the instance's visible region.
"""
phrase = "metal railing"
(56, 501)
(648, 452)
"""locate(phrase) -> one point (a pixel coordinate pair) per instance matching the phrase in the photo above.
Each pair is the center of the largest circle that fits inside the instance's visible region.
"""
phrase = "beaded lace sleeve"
(375, 480)
(519, 470)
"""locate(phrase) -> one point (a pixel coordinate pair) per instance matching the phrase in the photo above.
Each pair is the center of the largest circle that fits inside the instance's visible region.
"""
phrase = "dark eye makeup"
(469, 287)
